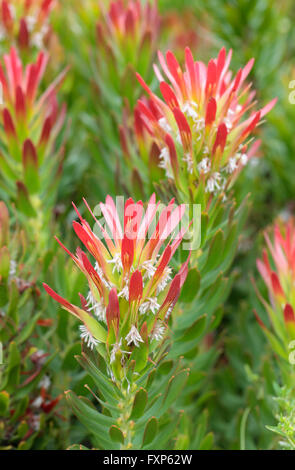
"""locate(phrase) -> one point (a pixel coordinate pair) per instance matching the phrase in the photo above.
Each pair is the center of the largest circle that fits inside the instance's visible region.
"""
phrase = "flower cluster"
(25, 21)
(201, 129)
(279, 278)
(30, 124)
(131, 290)
(126, 33)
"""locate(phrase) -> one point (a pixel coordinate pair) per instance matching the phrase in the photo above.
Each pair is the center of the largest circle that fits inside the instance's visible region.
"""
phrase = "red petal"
(237, 80)
(92, 273)
(211, 77)
(289, 314)
(127, 254)
(29, 154)
(8, 123)
(143, 84)
(130, 22)
(276, 285)
(220, 62)
(135, 287)
(169, 95)
(113, 310)
(6, 16)
(184, 129)
(165, 258)
(61, 300)
(221, 136)
(175, 71)
(23, 37)
(172, 295)
(252, 124)
(211, 111)
(46, 130)
(20, 105)
(190, 65)
(173, 155)
(267, 108)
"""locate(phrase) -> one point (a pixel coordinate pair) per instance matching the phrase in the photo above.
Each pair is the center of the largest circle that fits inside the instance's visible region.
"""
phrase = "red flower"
(31, 121)
(26, 21)
(130, 287)
(277, 268)
(205, 118)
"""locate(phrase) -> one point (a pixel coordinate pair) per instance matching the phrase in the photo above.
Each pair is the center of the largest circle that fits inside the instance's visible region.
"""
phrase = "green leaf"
(191, 286)
(116, 434)
(4, 403)
(207, 442)
(94, 421)
(23, 201)
(175, 385)
(30, 167)
(13, 369)
(69, 362)
(4, 262)
(139, 404)
(103, 383)
(194, 331)
(150, 431)
(215, 252)
(27, 330)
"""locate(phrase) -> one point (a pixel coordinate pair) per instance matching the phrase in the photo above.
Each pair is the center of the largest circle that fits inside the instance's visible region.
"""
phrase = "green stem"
(127, 425)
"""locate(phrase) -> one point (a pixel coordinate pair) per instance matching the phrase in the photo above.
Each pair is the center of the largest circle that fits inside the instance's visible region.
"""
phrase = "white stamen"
(214, 183)
(189, 109)
(164, 279)
(87, 337)
(204, 165)
(117, 262)
(102, 277)
(158, 332)
(231, 166)
(115, 349)
(150, 304)
(189, 161)
(244, 159)
(98, 308)
(150, 268)
(124, 292)
(134, 337)
(165, 161)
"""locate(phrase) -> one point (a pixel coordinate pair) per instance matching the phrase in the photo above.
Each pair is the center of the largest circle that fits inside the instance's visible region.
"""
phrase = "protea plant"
(31, 121)
(277, 268)
(192, 143)
(200, 132)
(126, 37)
(125, 317)
(25, 22)
(131, 291)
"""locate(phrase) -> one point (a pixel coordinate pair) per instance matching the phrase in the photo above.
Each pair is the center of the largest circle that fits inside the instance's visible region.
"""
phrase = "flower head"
(277, 268)
(31, 123)
(131, 294)
(126, 36)
(202, 126)
(25, 21)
